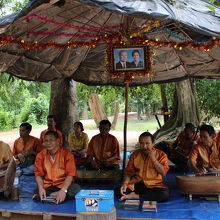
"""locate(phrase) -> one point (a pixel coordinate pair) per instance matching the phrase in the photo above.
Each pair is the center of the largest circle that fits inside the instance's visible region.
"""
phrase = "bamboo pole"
(125, 126)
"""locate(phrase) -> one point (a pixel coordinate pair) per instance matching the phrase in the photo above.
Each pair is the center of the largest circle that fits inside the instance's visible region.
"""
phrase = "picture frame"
(129, 59)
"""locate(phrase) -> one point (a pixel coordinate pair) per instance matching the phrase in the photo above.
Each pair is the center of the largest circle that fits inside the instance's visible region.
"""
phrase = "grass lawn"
(133, 125)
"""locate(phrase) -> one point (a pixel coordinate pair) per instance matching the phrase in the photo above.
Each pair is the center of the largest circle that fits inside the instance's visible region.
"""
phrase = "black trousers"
(148, 194)
(72, 190)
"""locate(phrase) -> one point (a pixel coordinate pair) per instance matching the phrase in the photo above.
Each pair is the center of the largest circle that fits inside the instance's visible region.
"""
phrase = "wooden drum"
(199, 185)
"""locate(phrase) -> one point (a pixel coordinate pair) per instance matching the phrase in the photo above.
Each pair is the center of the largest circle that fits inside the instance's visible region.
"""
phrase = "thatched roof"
(196, 21)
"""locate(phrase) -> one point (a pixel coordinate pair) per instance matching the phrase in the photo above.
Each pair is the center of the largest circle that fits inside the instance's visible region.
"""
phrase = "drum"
(7, 179)
(199, 185)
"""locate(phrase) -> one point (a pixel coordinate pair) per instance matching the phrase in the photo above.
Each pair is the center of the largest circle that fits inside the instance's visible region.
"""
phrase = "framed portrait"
(129, 59)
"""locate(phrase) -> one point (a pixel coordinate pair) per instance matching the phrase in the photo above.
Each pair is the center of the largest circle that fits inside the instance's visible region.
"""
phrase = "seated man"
(51, 123)
(204, 157)
(5, 155)
(26, 148)
(181, 147)
(144, 173)
(55, 171)
(103, 150)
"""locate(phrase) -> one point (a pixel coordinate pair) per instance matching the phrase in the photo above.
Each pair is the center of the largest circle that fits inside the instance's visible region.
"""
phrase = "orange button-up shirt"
(217, 138)
(183, 145)
(32, 143)
(207, 157)
(42, 134)
(54, 174)
(106, 150)
(141, 166)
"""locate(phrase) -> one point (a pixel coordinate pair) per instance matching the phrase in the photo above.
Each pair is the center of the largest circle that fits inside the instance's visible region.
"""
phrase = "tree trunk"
(85, 111)
(63, 104)
(164, 101)
(185, 109)
(139, 109)
(116, 113)
(97, 110)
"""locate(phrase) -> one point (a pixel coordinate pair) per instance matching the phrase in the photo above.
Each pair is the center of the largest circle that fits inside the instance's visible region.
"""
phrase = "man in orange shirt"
(205, 156)
(55, 171)
(25, 149)
(51, 123)
(103, 150)
(181, 147)
(144, 173)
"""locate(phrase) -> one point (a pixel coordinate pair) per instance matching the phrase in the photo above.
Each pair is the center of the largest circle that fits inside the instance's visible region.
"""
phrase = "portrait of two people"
(129, 59)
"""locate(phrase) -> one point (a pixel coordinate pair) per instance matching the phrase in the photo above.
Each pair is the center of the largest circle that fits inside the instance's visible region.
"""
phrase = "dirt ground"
(132, 136)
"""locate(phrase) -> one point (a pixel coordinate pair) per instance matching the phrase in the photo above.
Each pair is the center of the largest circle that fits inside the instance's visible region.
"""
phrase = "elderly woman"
(78, 143)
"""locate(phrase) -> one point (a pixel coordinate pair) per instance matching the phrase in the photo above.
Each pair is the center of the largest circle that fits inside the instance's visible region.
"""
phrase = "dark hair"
(52, 116)
(136, 51)
(80, 125)
(105, 122)
(207, 128)
(121, 51)
(54, 133)
(27, 126)
(147, 134)
(190, 126)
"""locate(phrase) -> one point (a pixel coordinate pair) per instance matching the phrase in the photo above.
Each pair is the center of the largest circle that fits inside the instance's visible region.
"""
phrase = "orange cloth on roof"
(42, 134)
(54, 174)
(207, 157)
(142, 168)
(32, 143)
(5, 153)
(217, 138)
(183, 145)
(106, 150)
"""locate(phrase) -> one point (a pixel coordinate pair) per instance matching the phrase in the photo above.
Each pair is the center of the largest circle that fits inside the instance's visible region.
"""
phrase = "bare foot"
(131, 195)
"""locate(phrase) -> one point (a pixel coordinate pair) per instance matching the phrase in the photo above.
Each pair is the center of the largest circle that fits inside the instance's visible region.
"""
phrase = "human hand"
(60, 196)
(152, 155)
(201, 171)
(42, 193)
(21, 157)
(123, 189)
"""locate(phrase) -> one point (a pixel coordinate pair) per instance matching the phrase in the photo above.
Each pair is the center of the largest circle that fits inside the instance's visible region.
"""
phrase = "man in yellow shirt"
(5, 155)
(144, 173)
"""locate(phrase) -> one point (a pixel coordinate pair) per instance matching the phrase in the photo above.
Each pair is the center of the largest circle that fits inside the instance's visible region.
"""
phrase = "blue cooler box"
(94, 201)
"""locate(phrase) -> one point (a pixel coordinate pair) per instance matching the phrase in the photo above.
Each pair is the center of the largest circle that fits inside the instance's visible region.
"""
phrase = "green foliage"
(22, 101)
(208, 97)
(10, 6)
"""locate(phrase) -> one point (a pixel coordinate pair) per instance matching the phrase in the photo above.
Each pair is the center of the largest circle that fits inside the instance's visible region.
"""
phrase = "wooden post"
(125, 126)
(96, 215)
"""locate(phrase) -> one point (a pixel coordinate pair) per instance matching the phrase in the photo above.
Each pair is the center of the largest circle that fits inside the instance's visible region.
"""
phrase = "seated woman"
(78, 143)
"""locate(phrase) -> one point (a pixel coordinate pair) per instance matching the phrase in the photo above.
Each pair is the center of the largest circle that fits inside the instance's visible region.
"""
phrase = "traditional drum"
(199, 185)
(7, 179)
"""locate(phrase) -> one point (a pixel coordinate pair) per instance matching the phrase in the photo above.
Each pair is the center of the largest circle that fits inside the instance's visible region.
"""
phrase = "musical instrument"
(199, 185)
